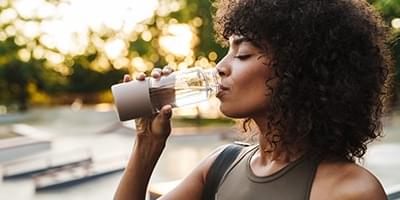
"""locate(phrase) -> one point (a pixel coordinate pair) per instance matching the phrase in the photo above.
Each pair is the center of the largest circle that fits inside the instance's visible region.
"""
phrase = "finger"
(165, 113)
(127, 78)
(141, 76)
(162, 122)
(166, 70)
(142, 125)
(156, 73)
(139, 124)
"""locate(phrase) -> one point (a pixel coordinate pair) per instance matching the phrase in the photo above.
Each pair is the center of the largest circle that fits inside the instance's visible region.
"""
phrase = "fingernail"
(168, 110)
(166, 70)
(139, 76)
(155, 74)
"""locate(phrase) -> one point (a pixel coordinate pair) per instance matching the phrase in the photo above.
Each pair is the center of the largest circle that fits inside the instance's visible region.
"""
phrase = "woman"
(309, 77)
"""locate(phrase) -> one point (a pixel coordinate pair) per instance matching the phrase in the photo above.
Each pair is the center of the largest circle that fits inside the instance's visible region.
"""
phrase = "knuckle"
(140, 75)
(156, 70)
(166, 71)
(155, 73)
(143, 125)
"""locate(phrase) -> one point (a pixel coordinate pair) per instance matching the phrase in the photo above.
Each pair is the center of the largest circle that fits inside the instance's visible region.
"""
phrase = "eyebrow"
(239, 40)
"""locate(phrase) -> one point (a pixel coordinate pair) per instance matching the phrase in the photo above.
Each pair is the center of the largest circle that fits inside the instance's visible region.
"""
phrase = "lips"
(222, 91)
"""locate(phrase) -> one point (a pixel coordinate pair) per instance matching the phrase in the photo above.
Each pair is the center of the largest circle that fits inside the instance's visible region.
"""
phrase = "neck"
(272, 149)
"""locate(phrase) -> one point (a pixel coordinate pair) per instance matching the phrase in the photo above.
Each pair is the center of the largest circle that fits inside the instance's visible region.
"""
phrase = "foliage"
(390, 10)
(93, 72)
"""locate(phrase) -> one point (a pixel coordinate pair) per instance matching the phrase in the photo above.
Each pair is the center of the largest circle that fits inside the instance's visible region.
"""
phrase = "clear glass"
(184, 87)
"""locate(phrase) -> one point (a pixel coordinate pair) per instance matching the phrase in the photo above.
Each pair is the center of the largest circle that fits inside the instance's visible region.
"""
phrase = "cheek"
(247, 98)
(249, 95)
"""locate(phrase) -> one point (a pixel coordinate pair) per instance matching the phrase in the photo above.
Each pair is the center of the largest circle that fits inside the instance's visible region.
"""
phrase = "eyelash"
(242, 57)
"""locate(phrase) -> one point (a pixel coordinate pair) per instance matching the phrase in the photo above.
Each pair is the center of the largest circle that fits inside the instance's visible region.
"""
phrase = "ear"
(266, 59)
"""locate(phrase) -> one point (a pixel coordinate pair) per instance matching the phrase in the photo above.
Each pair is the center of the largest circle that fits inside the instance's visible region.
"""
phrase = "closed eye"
(242, 57)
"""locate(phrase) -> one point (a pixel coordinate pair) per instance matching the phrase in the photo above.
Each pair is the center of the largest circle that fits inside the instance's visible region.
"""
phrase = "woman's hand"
(151, 135)
(157, 127)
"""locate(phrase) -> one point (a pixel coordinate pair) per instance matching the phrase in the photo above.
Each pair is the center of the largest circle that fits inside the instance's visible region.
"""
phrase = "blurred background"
(59, 135)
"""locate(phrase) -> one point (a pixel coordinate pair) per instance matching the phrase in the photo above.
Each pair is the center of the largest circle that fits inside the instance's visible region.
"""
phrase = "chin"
(241, 111)
(233, 113)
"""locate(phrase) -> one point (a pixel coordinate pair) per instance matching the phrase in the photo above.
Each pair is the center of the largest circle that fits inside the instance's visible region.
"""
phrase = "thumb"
(165, 113)
(162, 123)
(164, 116)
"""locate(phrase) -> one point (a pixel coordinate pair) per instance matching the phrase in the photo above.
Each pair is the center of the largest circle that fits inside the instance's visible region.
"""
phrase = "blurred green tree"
(390, 10)
(25, 72)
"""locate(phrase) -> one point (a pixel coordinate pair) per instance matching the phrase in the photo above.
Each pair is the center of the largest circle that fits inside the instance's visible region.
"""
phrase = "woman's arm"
(140, 167)
(151, 136)
(144, 157)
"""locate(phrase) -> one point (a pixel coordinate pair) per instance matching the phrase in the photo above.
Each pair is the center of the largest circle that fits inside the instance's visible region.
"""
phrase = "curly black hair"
(332, 63)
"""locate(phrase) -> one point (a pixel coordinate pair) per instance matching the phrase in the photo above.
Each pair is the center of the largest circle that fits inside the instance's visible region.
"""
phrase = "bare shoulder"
(347, 180)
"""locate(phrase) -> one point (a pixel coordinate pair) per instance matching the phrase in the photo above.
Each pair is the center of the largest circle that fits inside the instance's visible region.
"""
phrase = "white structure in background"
(41, 162)
(20, 140)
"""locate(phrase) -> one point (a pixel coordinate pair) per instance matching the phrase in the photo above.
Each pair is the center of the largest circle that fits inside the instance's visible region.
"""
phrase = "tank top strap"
(245, 151)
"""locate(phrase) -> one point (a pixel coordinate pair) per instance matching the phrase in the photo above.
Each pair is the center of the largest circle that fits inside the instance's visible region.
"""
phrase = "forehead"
(236, 41)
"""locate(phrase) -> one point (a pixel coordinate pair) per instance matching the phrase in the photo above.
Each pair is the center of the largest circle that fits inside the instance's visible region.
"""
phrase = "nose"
(223, 67)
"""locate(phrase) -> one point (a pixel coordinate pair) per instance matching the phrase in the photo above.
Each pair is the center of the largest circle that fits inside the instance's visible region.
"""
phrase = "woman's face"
(244, 72)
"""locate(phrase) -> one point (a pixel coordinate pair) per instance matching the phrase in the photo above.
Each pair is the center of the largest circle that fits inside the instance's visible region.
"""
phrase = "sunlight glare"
(10, 30)
(121, 63)
(47, 41)
(396, 23)
(46, 10)
(101, 64)
(20, 40)
(178, 40)
(146, 36)
(38, 52)
(30, 29)
(212, 56)
(3, 3)
(139, 64)
(7, 16)
(65, 26)
(3, 36)
(114, 48)
(24, 55)
(54, 58)
(27, 8)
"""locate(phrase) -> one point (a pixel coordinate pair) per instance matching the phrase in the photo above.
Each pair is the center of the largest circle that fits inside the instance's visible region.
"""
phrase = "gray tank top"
(292, 182)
